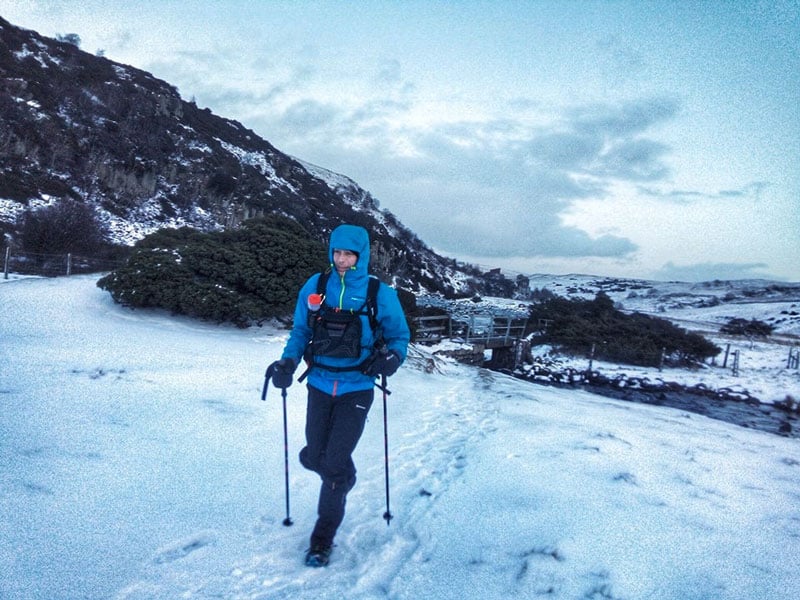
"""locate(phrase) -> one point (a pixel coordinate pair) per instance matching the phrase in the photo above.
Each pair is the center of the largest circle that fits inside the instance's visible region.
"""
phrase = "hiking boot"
(318, 555)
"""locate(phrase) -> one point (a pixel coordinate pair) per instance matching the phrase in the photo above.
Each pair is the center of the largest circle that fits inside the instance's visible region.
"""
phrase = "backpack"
(337, 333)
(370, 307)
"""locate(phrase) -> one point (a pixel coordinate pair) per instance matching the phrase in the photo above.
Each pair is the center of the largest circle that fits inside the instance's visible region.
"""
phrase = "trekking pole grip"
(267, 377)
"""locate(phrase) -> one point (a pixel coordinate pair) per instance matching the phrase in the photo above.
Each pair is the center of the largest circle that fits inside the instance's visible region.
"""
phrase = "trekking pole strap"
(304, 375)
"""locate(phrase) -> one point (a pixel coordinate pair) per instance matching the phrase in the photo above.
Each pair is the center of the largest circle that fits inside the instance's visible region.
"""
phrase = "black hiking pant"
(334, 425)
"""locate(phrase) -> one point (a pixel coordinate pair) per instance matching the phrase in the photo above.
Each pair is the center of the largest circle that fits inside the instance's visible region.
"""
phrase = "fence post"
(735, 363)
(725, 361)
(69, 264)
(5, 268)
(793, 361)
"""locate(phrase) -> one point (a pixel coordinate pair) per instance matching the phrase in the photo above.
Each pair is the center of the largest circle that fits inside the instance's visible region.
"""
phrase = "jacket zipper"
(341, 292)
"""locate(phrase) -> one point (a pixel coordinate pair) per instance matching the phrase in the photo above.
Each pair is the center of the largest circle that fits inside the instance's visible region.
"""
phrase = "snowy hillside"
(81, 127)
(138, 461)
(709, 303)
(700, 307)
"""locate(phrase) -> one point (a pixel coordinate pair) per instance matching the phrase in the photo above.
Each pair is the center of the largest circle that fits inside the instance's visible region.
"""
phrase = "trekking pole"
(388, 514)
(267, 376)
(288, 520)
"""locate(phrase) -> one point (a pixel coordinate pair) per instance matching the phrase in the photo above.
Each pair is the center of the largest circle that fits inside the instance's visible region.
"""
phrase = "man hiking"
(350, 328)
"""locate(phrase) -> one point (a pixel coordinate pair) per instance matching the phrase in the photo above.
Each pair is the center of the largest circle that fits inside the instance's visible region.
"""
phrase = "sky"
(138, 462)
(656, 140)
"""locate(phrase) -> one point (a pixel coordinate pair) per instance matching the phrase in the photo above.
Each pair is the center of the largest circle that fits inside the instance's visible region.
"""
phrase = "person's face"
(344, 260)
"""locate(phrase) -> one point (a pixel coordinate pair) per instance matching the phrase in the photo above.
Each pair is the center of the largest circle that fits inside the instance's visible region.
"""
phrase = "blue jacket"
(348, 293)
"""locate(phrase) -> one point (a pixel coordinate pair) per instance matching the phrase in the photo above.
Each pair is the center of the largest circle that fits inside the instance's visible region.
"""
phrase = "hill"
(697, 307)
(701, 306)
(82, 127)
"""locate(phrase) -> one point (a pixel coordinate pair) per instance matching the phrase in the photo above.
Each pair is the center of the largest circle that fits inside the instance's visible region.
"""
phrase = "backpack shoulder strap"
(372, 301)
(322, 281)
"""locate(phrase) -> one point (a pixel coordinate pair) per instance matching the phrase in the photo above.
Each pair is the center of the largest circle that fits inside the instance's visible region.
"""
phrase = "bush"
(240, 276)
(751, 328)
(67, 226)
(577, 325)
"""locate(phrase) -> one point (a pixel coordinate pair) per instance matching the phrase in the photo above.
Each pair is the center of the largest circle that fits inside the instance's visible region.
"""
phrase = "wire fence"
(55, 265)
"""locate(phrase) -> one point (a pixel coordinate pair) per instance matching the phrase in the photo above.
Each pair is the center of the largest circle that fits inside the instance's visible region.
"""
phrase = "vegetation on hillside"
(242, 276)
(578, 326)
(752, 328)
(66, 226)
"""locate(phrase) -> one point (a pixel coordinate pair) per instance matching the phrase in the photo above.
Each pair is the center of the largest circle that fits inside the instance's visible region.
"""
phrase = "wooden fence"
(489, 330)
(54, 265)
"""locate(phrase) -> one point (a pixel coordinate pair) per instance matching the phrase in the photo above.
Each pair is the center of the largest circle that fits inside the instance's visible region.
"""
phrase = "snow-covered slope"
(80, 127)
(138, 461)
(708, 304)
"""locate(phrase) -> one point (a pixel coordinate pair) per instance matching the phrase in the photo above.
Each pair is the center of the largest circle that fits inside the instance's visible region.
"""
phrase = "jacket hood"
(354, 238)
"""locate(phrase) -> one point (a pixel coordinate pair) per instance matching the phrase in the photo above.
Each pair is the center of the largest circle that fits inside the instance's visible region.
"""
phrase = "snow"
(138, 461)
(122, 72)
(333, 180)
(258, 160)
(147, 218)
(708, 303)
(762, 370)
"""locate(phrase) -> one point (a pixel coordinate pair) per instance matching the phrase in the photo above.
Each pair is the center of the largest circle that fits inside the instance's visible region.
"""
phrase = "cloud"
(310, 115)
(749, 192)
(712, 271)
(546, 240)
(634, 160)
(489, 187)
(752, 190)
(389, 72)
(468, 181)
(607, 142)
(624, 61)
(619, 121)
(570, 151)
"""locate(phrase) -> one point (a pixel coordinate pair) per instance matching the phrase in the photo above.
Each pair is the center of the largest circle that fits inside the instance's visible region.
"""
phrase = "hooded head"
(355, 239)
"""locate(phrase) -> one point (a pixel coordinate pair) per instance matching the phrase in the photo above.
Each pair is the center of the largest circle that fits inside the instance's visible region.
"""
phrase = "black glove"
(383, 364)
(282, 371)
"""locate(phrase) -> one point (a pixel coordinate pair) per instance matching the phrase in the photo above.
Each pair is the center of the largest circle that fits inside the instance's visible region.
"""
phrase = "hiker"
(348, 342)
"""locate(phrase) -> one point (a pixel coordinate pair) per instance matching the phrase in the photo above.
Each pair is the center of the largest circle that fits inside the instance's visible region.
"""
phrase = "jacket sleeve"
(393, 321)
(301, 333)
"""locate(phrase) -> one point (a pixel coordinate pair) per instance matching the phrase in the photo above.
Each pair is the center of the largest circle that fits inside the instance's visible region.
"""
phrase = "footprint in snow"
(183, 548)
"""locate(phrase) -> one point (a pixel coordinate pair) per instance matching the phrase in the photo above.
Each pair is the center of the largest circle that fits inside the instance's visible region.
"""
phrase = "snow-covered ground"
(138, 461)
(700, 307)
(705, 306)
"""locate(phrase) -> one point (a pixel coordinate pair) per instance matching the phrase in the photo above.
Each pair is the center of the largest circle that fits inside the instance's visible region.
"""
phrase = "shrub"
(67, 226)
(577, 325)
(751, 328)
(240, 276)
